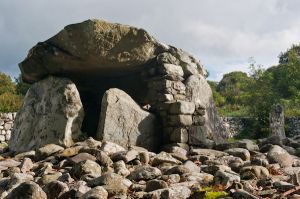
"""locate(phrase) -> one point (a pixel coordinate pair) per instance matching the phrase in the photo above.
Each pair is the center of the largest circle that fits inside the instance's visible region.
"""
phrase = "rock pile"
(6, 125)
(76, 71)
(94, 169)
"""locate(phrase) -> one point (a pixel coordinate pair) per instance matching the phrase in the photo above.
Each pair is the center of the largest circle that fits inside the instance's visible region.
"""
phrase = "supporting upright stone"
(52, 113)
(277, 121)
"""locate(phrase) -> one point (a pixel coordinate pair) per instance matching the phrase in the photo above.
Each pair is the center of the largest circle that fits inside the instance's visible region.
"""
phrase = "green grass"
(210, 193)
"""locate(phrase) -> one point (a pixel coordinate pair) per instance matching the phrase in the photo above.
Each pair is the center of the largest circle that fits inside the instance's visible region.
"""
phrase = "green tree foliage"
(218, 98)
(10, 95)
(10, 102)
(254, 95)
(6, 84)
(21, 86)
(234, 87)
(231, 92)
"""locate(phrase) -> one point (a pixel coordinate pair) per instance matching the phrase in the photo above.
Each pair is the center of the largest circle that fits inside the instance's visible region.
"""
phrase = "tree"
(21, 86)
(233, 87)
(6, 84)
(10, 102)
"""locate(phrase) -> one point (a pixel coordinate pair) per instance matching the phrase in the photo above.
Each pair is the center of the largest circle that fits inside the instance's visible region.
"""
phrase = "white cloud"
(222, 34)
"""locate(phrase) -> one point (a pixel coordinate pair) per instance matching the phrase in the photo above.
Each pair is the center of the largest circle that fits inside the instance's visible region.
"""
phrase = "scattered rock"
(164, 157)
(279, 155)
(27, 190)
(48, 150)
(226, 178)
(144, 173)
(55, 189)
(180, 192)
(244, 154)
(86, 167)
(153, 185)
(110, 147)
(95, 193)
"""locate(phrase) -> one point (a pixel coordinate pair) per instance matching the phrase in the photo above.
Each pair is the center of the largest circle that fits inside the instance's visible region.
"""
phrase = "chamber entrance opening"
(92, 90)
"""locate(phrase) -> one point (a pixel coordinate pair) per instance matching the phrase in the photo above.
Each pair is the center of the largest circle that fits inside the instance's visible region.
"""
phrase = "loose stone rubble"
(92, 169)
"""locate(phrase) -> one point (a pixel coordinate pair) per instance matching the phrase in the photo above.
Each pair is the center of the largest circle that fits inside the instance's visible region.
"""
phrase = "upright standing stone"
(51, 113)
(123, 121)
(277, 121)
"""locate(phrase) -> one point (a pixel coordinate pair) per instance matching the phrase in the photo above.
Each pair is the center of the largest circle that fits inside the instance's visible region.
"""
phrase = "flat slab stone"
(122, 121)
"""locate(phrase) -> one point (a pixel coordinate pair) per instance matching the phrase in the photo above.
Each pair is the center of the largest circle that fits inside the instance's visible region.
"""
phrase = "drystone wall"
(169, 99)
(236, 125)
(6, 125)
(293, 126)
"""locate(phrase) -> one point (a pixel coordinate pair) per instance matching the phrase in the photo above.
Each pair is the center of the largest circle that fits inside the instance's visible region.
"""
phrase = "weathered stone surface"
(82, 157)
(86, 167)
(55, 189)
(238, 194)
(180, 120)
(197, 135)
(113, 184)
(164, 157)
(110, 147)
(279, 155)
(144, 173)
(226, 178)
(27, 190)
(251, 172)
(171, 69)
(244, 154)
(208, 152)
(277, 121)
(120, 168)
(126, 156)
(182, 107)
(45, 179)
(123, 121)
(48, 150)
(90, 47)
(155, 184)
(199, 92)
(179, 192)
(95, 193)
(51, 113)
(26, 165)
(179, 135)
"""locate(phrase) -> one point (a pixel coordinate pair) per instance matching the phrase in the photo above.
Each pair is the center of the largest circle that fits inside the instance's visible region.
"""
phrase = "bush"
(6, 84)
(10, 102)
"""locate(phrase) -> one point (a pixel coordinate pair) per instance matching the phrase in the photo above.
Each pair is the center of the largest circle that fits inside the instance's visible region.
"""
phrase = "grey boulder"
(122, 121)
(52, 113)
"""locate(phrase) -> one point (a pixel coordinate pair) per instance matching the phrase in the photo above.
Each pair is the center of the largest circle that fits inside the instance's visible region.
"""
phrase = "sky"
(222, 34)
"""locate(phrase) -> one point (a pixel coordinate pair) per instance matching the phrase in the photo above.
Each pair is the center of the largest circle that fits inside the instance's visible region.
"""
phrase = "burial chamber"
(97, 55)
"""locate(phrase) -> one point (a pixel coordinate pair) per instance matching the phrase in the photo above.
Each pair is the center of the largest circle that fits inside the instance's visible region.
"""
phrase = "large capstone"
(51, 113)
(91, 48)
(123, 121)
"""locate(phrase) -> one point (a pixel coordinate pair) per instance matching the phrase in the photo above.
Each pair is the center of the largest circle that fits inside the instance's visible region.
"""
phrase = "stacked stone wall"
(292, 126)
(6, 125)
(235, 125)
(168, 99)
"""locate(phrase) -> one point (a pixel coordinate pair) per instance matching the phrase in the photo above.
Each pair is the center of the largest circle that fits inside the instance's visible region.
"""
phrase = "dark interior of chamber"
(92, 90)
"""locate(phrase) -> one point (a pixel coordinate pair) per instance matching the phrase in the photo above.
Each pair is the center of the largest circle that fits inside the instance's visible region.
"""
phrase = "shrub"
(10, 102)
